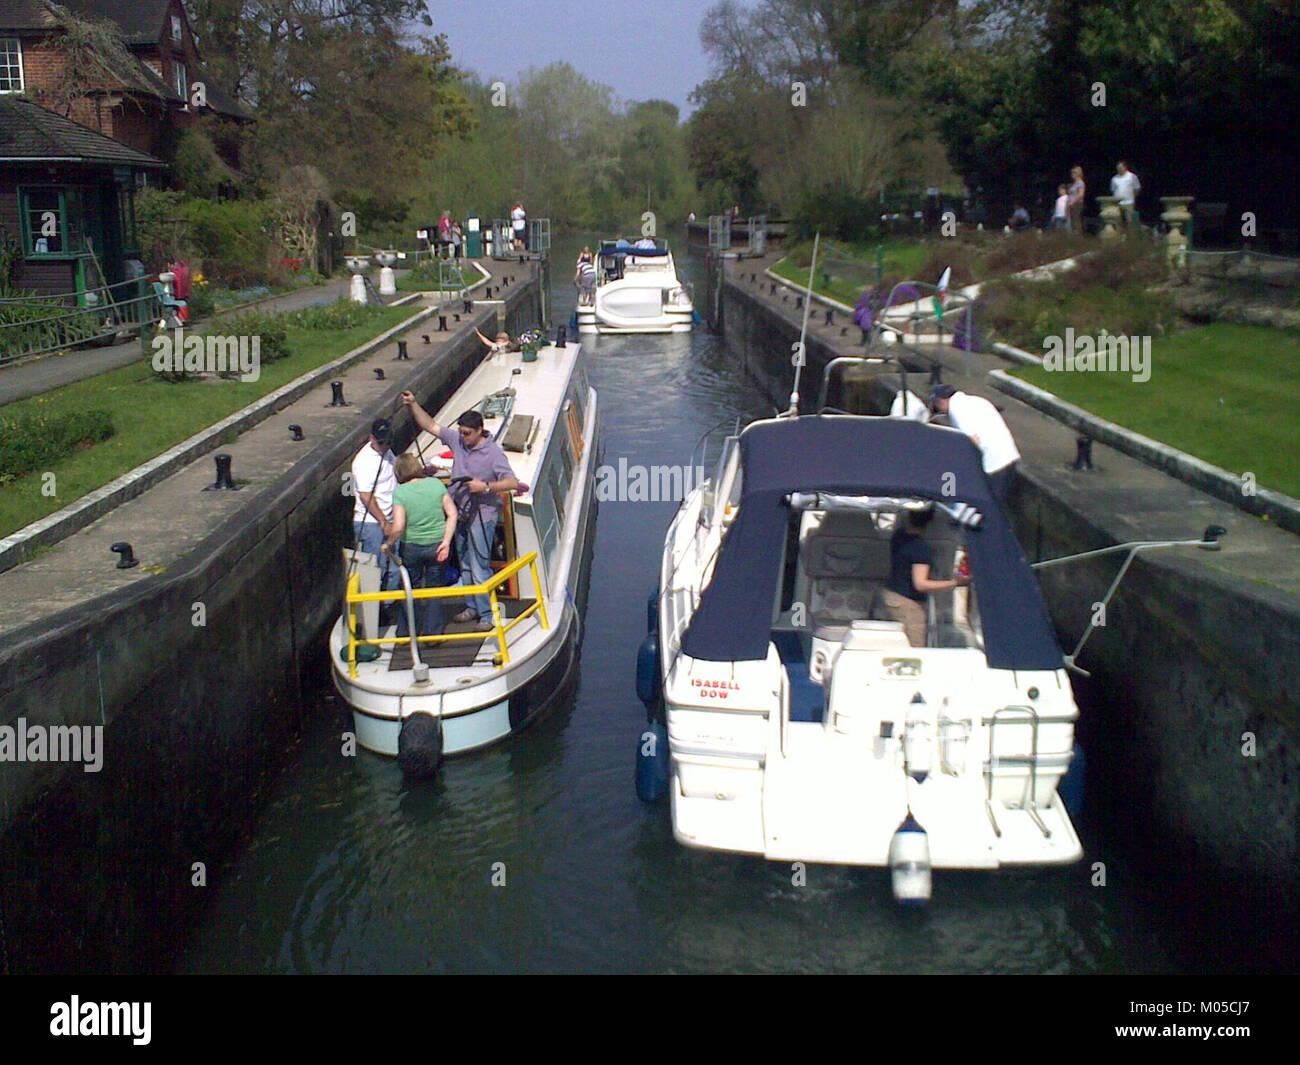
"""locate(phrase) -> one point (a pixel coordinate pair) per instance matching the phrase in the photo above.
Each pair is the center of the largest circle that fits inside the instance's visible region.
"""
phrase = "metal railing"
(35, 325)
(354, 597)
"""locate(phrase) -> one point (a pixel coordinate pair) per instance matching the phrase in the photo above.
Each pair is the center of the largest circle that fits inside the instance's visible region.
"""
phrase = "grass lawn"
(1220, 392)
(151, 415)
(425, 280)
(845, 268)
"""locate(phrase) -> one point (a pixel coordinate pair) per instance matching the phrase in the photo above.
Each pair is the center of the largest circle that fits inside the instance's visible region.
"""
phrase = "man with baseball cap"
(980, 420)
(373, 482)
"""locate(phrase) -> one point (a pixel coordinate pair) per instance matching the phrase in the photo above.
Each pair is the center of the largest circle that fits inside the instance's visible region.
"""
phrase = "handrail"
(354, 596)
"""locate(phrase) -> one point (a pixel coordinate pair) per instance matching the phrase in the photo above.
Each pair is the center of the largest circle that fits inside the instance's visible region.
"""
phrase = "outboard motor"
(419, 746)
(909, 863)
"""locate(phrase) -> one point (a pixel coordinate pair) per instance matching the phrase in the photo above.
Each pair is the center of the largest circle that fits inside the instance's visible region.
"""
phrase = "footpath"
(174, 514)
(49, 372)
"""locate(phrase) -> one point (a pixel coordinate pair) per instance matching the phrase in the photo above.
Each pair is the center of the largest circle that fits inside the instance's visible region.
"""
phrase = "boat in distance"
(471, 688)
(637, 290)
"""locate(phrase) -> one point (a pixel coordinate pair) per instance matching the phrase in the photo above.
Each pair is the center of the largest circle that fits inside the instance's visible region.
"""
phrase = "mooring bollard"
(442, 323)
(561, 336)
(336, 387)
(1083, 455)
(468, 307)
(379, 372)
(295, 432)
(830, 311)
(224, 482)
(125, 556)
(401, 351)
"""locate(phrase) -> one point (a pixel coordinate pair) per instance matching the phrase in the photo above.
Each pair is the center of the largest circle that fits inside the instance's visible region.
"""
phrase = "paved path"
(53, 371)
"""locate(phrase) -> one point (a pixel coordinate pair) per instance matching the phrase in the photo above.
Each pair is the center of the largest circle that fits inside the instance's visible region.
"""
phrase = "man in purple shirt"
(485, 464)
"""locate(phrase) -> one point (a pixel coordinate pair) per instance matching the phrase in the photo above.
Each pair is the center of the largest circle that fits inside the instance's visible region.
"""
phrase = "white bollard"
(387, 282)
(357, 294)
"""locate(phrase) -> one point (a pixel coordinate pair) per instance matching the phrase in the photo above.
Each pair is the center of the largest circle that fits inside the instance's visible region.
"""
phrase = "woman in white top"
(519, 220)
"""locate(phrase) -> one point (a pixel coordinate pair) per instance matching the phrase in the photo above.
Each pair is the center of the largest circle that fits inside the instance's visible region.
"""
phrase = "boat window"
(573, 423)
(548, 520)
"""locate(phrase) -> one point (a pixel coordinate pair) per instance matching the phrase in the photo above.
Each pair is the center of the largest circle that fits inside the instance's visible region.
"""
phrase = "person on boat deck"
(519, 225)
(910, 559)
(424, 519)
(585, 279)
(980, 420)
(497, 346)
(645, 243)
(485, 464)
(374, 482)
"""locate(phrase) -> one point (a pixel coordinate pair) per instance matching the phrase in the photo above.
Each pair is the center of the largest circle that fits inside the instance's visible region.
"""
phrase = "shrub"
(341, 314)
(30, 442)
(272, 328)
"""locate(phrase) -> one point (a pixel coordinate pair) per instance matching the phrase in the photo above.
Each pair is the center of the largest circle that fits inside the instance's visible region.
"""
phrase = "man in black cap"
(373, 483)
(980, 420)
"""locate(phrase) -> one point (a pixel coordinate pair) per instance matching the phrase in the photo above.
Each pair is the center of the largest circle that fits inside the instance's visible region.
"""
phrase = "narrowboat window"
(548, 520)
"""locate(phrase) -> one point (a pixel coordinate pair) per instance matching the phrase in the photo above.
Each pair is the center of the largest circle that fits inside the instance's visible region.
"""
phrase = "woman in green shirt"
(424, 518)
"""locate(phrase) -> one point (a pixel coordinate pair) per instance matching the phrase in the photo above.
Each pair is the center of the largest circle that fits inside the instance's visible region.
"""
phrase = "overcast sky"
(643, 49)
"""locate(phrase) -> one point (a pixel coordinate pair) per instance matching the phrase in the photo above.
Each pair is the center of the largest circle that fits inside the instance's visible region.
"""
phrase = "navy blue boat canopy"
(858, 456)
(626, 247)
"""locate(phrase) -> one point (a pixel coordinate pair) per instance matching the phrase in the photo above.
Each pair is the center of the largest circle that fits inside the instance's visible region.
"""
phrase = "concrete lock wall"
(97, 869)
(1189, 661)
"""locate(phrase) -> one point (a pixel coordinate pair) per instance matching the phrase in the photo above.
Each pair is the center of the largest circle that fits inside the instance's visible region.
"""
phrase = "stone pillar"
(1109, 217)
(1175, 213)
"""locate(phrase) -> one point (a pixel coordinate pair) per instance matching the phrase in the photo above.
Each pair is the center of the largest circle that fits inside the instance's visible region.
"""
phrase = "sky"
(643, 49)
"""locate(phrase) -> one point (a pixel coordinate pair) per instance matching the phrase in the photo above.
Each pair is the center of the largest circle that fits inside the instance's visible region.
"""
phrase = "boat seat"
(847, 562)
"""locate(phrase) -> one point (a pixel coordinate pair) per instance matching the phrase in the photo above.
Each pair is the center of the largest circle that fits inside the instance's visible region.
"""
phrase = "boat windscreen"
(856, 456)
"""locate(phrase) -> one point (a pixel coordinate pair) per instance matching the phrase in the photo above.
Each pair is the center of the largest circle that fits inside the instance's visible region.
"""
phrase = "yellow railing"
(489, 588)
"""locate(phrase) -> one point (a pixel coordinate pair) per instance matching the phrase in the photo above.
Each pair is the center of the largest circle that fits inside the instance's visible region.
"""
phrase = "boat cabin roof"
(539, 392)
(861, 456)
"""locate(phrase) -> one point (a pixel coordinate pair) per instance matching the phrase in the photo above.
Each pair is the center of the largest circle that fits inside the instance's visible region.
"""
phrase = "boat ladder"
(1029, 803)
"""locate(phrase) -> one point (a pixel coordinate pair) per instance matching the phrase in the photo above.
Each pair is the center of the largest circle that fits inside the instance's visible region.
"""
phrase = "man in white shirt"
(373, 482)
(1124, 186)
(980, 420)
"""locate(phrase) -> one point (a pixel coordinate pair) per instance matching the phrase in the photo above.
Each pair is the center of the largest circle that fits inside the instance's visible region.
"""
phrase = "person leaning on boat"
(910, 583)
(373, 481)
(477, 457)
(980, 420)
(424, 519)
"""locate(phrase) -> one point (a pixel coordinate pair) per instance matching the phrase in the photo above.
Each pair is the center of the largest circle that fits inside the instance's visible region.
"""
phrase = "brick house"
(147, 103)
(66, 201)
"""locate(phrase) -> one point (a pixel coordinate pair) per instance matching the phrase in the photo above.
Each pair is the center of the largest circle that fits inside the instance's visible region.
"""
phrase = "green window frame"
(67, 204)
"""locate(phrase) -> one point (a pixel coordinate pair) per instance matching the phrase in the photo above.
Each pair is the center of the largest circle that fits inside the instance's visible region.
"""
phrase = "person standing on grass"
(1125, 186)
(1078, 190)
(480, 459)
(1061, 211)
(980, 420)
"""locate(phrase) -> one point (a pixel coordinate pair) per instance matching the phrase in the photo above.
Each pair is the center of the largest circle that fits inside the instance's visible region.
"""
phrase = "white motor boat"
(468, 689)
(798, 721)
(637, 291)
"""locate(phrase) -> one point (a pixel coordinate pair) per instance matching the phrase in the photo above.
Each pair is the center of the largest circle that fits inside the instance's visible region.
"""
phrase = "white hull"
(649, 298)
(482, 702)
(819, 752)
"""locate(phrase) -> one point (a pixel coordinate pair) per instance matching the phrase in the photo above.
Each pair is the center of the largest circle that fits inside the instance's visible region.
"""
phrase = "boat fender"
(573, 322)
(648, 680)
(916, 741)
(909, 863)
(419, 746)
(1071, 787)
(652, 762)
